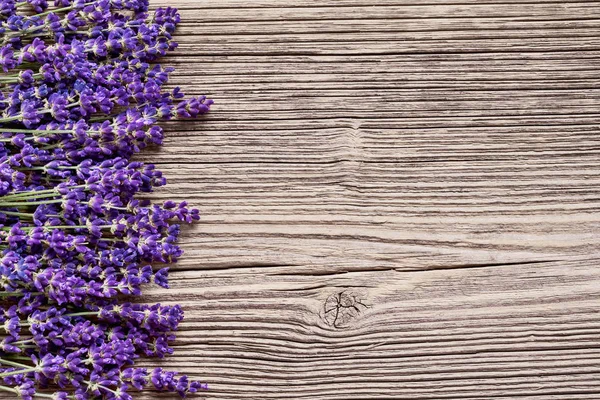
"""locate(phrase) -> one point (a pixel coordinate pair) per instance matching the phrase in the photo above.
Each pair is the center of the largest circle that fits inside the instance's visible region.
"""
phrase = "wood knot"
(340, 309)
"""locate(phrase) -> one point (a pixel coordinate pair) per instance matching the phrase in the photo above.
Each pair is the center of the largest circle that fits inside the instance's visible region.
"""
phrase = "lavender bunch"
(80, 94)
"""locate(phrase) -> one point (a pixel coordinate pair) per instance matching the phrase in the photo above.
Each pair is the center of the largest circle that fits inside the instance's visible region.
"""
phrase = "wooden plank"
(432, 163)
(270, 4)
(368, 188)
(277, 336)
(362, 11)
(399, 199)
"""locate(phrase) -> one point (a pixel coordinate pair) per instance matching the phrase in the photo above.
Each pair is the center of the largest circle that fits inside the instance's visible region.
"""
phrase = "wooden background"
(400, 199)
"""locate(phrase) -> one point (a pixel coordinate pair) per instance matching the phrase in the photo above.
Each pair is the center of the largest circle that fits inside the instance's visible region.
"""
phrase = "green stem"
(6, 140)
(12, 78)
(17, 214)
(15, 357)
(38, 193)
(32, 203)
(8, 389)
(10, 119)
(10, 294)
(17, 372)
(36, 196)
(34, 131)
(13, 364)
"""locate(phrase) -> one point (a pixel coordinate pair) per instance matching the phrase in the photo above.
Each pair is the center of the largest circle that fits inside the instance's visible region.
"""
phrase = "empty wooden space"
(400, 199)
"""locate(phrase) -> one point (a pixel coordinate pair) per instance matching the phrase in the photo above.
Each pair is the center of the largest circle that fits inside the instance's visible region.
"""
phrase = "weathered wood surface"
(400, 199)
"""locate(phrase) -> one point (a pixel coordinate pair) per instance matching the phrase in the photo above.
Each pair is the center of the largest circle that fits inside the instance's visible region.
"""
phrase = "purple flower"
(82, 94)
(7, 60)
(38, 5)
(49, 365)
(161, 278)
(26, 390)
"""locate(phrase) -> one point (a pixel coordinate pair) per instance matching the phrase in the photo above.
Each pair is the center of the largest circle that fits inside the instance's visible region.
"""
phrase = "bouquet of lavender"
(80, 94)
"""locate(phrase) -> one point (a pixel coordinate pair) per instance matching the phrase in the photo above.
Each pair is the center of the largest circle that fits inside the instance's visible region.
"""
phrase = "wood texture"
(400, 199)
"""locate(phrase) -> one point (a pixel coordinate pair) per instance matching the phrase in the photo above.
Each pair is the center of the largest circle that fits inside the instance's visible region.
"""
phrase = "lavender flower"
(80, 95)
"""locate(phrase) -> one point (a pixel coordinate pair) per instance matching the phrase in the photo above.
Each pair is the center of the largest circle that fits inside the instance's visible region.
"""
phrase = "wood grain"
(399, 197)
